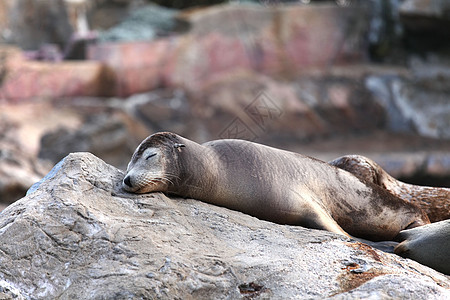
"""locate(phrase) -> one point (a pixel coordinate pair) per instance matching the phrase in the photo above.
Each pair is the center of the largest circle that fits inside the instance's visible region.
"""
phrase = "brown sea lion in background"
(434, 201)
(270, 184)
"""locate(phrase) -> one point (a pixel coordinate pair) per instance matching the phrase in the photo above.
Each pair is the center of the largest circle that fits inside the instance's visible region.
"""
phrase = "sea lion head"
(153, 165)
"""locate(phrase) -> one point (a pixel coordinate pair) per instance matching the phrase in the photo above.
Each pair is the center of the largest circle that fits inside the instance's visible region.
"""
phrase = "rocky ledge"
(77, 235)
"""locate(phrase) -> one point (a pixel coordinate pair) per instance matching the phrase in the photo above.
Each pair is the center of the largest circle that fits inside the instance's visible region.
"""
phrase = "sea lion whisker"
(166, 180)
(160, 179)
(172, 175)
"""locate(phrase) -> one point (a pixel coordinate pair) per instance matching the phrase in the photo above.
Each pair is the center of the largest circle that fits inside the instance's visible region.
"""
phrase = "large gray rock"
(77, 235)
(417, 104)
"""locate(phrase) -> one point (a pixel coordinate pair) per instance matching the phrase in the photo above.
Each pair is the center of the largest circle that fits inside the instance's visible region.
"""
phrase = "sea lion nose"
(127, 181)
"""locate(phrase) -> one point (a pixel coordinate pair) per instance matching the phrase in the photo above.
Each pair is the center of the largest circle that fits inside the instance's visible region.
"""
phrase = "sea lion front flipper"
(318, 218)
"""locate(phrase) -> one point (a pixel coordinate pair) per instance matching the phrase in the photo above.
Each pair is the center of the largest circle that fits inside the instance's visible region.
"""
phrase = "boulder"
(316, 104)
(278, 40)
(416, 102)
(24, 79)
(31, 23)
(18, 168)
(281, 40)
(77, 235)
(138, 66)
(21, 126)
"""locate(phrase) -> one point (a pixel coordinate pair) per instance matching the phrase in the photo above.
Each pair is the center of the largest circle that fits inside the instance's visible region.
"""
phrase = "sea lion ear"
(179, 146)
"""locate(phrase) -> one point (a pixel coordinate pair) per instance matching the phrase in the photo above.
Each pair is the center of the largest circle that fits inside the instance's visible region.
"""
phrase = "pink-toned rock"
(280, 40)
(320, 35)
(201, 58)
(251, 106)
(138, 65)
(26, 79)
(223, 39)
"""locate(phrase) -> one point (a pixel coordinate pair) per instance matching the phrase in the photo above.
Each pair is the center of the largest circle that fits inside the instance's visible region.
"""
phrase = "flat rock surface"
(77, 235)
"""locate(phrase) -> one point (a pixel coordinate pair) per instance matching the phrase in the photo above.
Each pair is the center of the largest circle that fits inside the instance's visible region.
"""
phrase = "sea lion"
(435, 201)
(270, 184)
(429, 245)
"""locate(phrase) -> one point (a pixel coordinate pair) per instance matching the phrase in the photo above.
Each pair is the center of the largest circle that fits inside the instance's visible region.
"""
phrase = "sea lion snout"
(141, 181)
(137, 183)
(127, 182)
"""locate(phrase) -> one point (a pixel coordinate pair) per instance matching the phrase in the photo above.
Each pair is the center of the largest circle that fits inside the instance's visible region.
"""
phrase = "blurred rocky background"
(324, 78)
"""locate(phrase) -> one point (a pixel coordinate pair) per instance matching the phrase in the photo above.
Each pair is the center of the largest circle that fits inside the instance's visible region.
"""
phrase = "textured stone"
(77, 235)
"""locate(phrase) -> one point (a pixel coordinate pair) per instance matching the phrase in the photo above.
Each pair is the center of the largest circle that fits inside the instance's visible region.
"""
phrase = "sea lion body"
(270, 184)
(429, 245)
